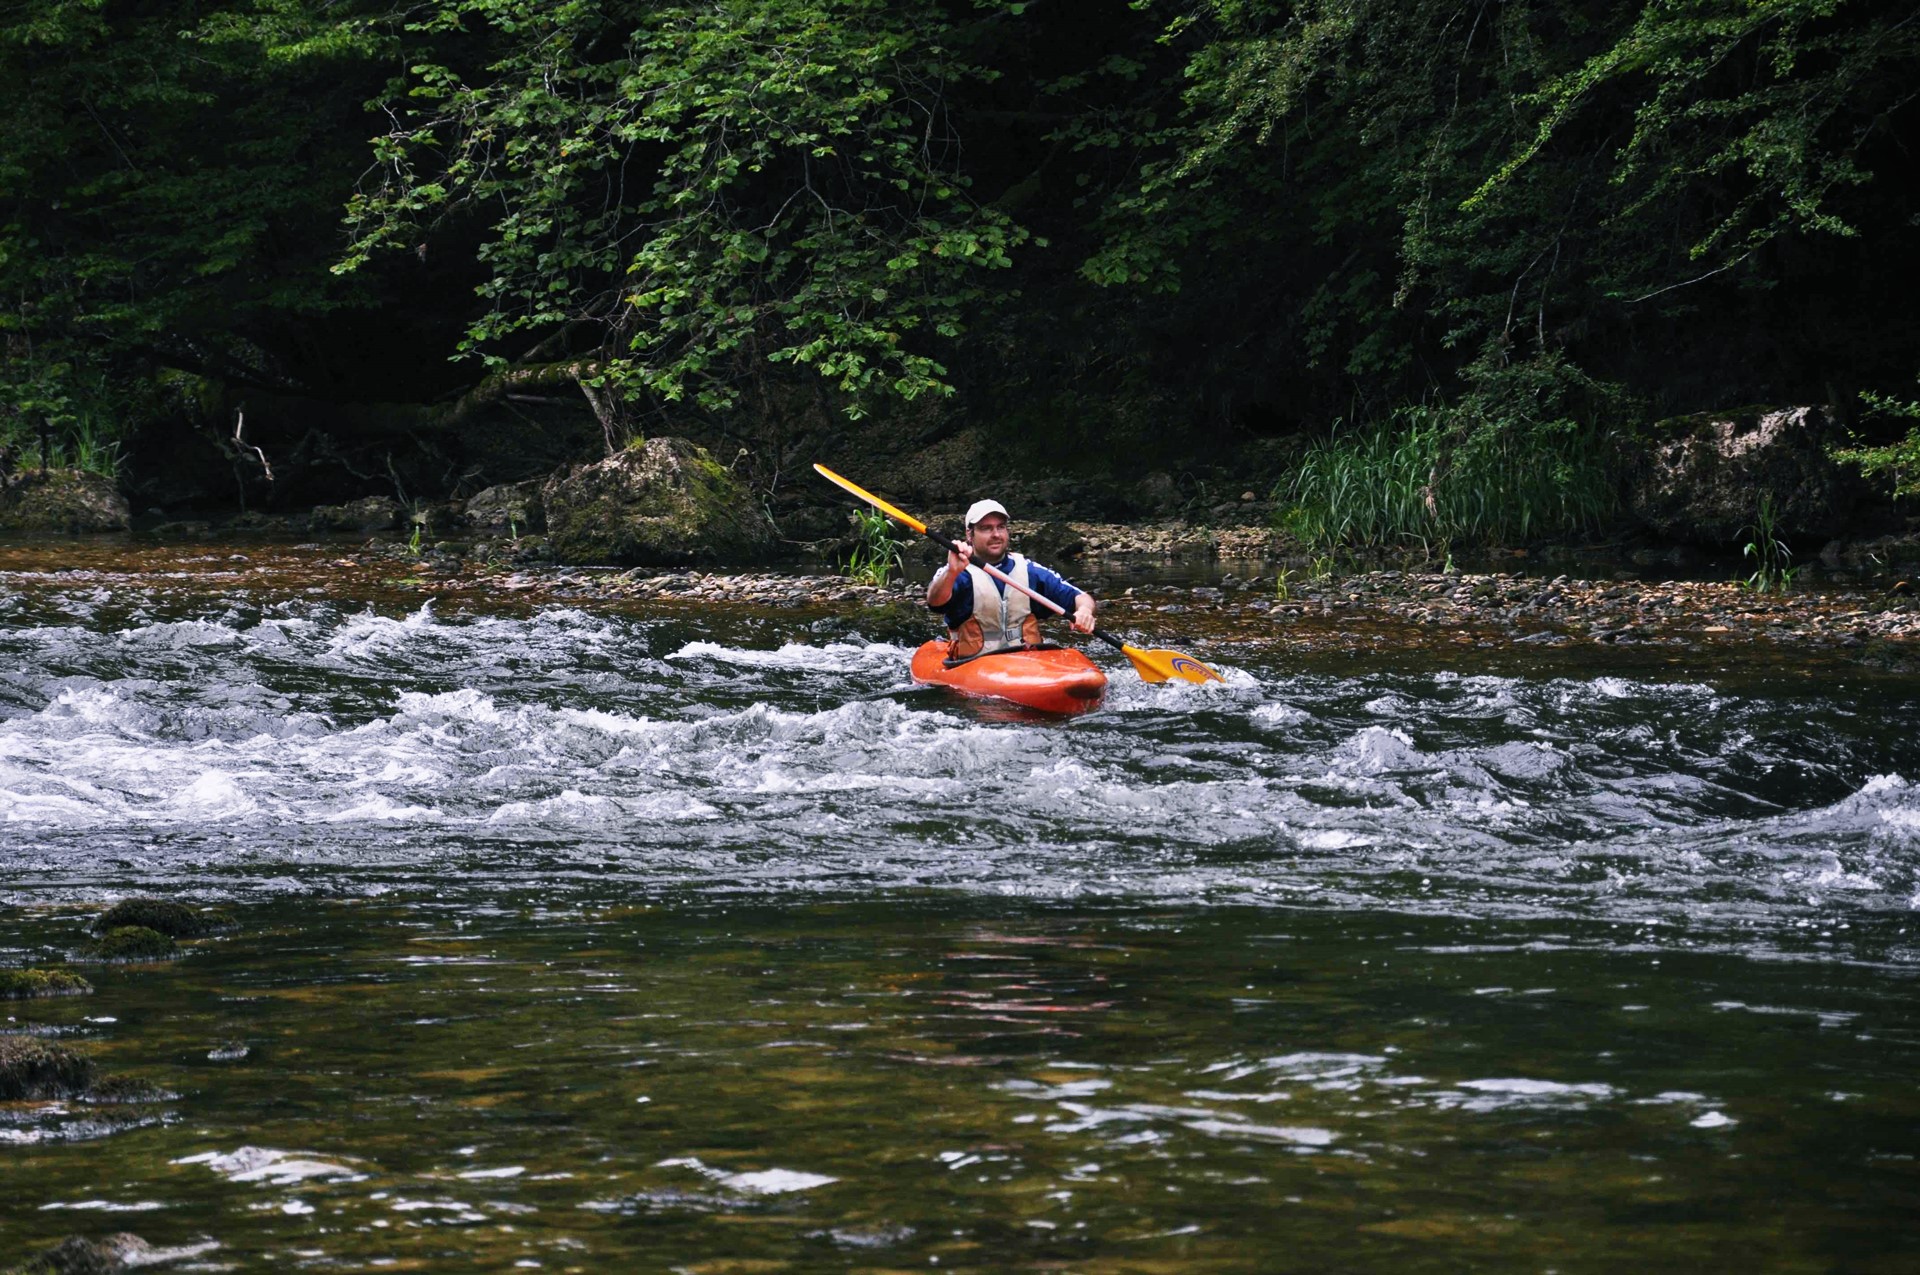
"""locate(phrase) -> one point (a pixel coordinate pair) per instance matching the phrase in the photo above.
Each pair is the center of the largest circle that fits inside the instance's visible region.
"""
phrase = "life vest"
(999, 620)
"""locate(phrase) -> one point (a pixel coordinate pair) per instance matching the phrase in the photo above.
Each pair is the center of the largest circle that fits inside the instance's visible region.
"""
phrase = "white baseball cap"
(981, 508)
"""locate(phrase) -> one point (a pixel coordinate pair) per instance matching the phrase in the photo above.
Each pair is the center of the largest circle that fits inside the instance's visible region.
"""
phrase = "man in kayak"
(983, 614)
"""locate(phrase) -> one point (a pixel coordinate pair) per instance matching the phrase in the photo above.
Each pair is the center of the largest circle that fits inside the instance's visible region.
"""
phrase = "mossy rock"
(33, 1069)
(176, 920)
(130, 943)
(663, 502)
(21, 985)
(66, 500)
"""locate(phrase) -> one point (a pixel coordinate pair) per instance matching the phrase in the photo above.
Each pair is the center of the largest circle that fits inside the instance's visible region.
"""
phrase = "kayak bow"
(1051, 679)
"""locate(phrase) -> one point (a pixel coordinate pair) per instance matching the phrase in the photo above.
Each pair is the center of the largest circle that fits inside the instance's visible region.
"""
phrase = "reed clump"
(1420, 482)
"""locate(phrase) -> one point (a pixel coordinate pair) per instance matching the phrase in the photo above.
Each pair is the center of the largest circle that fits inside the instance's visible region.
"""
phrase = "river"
(699, 939)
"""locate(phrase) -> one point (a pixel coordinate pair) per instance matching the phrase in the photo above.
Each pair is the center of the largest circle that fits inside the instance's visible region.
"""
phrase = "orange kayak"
(1051, 679)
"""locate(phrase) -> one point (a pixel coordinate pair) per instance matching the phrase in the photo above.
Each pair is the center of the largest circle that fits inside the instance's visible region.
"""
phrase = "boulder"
(1701, 478)
(66, 500)
(30, 984)
(33, 1070)
(664, 502)
(175, 920)
(508, 507)
(129, 944)
(371, 513)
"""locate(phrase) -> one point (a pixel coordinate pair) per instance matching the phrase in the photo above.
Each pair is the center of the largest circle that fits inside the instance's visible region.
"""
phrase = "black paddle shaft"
(1102, 634)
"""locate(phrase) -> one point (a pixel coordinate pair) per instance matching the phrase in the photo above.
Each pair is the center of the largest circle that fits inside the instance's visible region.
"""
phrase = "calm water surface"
(582, 940)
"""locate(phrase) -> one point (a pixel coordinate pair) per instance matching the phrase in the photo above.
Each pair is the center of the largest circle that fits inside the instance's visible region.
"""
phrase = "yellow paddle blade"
(870, 498)
(1162, 666)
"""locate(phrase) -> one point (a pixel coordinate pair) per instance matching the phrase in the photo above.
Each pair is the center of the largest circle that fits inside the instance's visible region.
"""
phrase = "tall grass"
(1419, 482)
(876, 554)
(79, 442)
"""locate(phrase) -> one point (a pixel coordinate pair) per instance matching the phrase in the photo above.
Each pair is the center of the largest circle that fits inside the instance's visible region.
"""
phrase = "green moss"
(175, 920)
(32, 1069)
(130, 943)
(20, 985)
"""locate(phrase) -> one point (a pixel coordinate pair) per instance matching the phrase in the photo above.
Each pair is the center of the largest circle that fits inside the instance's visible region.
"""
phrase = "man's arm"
(1078, 602)
(940, 588)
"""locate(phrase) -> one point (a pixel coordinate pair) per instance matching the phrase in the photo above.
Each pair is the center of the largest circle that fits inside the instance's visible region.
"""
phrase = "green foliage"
(876, 554)
(1768, 553)
(1272, 213)
(703, 188)
(1898, 461)
(1443, 188)
(1433, 477)
(171, 197)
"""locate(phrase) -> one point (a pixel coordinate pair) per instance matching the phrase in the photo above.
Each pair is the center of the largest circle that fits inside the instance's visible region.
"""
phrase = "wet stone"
(126, 1089)
(37, 1070)
(79, 1255)
(31, 984)
(175, 920)
(129, 943)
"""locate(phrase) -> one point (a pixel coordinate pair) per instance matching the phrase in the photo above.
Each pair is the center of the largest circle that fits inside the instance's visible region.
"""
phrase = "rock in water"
(30, 984)
(1702, 478)
(176, 920)
(33, 1070)
(67, 500)
(78, 1255)
(129, 943)
(664, 502)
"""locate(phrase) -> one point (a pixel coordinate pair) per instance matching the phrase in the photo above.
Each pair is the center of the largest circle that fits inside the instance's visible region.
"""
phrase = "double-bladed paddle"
(1152, 665)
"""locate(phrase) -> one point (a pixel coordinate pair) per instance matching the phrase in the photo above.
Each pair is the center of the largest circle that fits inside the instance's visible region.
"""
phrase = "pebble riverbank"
(1877, 622)
(1492, 607)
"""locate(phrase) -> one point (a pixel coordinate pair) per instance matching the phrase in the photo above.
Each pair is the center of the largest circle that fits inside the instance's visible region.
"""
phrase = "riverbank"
(1244, 600)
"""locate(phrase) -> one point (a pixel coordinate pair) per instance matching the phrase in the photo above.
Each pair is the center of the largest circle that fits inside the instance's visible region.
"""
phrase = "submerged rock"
(37, 1070)
(19, 985)
(664, 502)
(78, 1255)
(1702, 479)
(66, 500)
(116, 1089)
(176, 920)
(130, 943)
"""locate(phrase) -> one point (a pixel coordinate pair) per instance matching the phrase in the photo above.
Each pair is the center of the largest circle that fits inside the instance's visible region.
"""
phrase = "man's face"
(989, 537)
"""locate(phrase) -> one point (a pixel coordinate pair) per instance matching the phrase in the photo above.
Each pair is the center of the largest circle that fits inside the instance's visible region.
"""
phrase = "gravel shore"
(1514, 608)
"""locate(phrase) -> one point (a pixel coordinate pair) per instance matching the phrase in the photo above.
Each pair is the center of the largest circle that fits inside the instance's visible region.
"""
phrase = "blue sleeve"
(1050, 586)
(960, 606)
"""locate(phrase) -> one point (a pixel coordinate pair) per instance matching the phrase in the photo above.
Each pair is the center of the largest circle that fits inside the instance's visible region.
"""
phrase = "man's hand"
(1083, 613)
(940, 588)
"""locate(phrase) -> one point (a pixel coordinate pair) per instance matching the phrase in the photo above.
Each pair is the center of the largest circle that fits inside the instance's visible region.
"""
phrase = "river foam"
(575, 745)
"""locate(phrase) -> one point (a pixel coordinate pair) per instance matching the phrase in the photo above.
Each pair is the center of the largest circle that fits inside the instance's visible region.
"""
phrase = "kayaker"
(983, 614)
